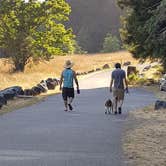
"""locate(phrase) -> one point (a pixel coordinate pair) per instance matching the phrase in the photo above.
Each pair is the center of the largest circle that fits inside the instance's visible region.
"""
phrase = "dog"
(108, 107)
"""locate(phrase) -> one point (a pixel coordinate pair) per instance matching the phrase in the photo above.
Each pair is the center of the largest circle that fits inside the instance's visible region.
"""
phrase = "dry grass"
(36, 72)
(18, 103)
(145, 142)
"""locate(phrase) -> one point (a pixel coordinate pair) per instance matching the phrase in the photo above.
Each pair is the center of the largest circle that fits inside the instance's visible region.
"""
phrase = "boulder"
(160, 105)
(3, 101)
(57, 81)
(131, 70)
(146, 67)
(127, 63)
(52, 83)
(11, 92)
(17, 89)
(51, 86)
(43, 90)
(98, 69)
(36, 90)
(106, 66)
(8, 94)
(91, 71)
(43, 83)
(29, 92)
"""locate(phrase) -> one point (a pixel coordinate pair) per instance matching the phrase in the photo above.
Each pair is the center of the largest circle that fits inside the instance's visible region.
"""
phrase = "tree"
(33, 29)
(78, 49)
(111, 44)
(91, 20)
(144, 28)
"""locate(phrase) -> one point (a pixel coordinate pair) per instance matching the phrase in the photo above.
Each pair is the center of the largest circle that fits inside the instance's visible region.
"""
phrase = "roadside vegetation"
(144, 142)
(143, 30)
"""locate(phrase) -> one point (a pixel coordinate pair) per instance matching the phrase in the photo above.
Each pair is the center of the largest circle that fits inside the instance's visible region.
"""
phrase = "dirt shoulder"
(145, 137)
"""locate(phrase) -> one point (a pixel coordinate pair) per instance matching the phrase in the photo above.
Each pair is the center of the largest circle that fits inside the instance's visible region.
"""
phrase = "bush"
(78, 49)
(134, 79)
(111, 44)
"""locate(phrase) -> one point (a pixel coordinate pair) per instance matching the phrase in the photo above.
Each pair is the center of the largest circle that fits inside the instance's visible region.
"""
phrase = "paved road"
(45, 135)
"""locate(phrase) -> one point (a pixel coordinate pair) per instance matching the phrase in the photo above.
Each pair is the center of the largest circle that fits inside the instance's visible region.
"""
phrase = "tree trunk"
(164, 65)
(19, 67)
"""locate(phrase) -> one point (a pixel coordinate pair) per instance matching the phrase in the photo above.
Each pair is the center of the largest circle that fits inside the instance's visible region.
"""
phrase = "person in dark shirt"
(118, 79)
(68, 76)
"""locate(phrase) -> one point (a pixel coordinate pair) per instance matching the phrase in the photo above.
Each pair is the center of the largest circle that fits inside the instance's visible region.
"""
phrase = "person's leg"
(66, 108)
(120, 100)
(70, 98)
(115, 100)
(120, 103)
(115, 105)
(64, 95)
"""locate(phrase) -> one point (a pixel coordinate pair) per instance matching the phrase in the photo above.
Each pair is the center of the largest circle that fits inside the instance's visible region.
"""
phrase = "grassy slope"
(145, 142)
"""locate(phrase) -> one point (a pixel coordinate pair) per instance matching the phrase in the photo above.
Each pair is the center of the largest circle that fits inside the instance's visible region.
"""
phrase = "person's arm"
(126, 83)
(60, 82)
(111, 82)
(76, 80)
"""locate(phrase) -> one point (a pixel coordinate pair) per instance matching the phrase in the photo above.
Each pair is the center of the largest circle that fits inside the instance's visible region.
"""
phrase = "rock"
(36, 90)
(127, 63)
(3, 101)
(160, 105)
(98, 69)
(146, 67)
(43, 83)
(131, 70)
(106, 66)
(11, 92)
(91, 71)
(29, 92)
(43, 90)
(51, 83)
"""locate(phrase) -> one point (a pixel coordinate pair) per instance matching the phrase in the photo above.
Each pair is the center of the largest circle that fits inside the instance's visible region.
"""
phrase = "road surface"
(45, 135)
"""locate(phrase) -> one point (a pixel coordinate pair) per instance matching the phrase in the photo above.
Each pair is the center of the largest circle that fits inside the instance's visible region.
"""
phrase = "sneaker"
(65, 110)
(116, 112)
(119, 110)
(70, 107)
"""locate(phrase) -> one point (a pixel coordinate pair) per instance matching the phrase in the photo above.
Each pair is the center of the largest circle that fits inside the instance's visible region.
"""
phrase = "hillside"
(91, 20)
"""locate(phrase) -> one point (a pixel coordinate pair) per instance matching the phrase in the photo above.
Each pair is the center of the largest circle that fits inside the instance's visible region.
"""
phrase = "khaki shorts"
(118, 93)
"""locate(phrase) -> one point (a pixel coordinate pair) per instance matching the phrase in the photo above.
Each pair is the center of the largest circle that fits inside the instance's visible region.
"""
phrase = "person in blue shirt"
(68, 77)
(118, 79)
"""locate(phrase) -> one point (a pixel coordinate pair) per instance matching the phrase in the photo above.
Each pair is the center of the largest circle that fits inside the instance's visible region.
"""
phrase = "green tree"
(144, 28)
(111, 44)
(33, 29)
(78, 49)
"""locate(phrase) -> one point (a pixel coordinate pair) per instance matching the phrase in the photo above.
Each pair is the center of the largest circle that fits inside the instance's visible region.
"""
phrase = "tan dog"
(108, 107)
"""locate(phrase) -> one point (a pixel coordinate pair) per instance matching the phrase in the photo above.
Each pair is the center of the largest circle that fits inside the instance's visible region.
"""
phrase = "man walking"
(118, 79)
(68, 76)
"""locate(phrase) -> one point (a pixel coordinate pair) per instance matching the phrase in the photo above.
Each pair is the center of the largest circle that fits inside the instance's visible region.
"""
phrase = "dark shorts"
(67, 92)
